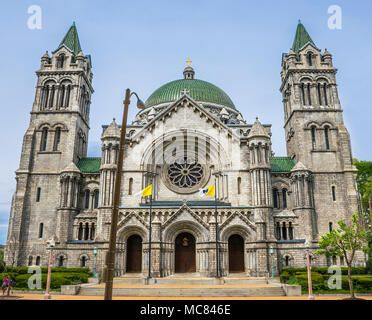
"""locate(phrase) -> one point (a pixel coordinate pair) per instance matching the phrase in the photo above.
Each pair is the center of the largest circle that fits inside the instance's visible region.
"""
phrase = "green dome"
(199, 90)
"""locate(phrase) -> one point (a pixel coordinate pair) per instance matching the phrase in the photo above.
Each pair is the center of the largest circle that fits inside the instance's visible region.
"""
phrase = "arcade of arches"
(185, 255)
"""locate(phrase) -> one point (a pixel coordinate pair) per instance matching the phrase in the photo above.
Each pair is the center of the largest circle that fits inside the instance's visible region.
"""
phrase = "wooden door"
(134, 254)
(236, 253)
(185, 253)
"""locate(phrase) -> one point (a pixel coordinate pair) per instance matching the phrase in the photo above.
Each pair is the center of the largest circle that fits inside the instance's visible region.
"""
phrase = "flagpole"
(149, 276)
(215, 214)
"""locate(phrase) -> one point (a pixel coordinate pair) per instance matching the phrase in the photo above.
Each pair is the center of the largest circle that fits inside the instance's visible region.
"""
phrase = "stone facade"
(263, 201)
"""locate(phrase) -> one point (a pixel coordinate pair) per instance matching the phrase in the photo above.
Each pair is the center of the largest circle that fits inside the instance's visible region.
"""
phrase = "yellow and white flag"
(207, 191)
(145, 192)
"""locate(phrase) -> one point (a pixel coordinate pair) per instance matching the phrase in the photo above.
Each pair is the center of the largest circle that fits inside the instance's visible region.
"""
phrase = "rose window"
(185, 175)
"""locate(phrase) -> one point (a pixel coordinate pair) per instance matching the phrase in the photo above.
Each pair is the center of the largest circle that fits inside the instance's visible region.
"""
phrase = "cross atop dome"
(189, 72)
(188, 62)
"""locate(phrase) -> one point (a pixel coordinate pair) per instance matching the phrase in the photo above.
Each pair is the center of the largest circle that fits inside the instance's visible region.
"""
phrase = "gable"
(184, 113)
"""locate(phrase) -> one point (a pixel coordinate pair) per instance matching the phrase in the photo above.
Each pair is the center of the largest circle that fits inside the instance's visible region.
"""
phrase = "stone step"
(186, 281)
(189, 291)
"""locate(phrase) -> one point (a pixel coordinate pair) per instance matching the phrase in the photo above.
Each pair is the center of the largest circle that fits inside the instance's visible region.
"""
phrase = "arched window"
(87, 197)
(290, 231)
(41, 227)
(325, 94)
(38, 261)
(68, 93)
(287, 261)
(92, 232)
(44, 139)
(284, 192)
(334, 260)
(333, 193)
(326, 136)
(303, 93)
(239, 185)
(330, 226)
(30, 260)
(275, 198)
(284, 231)
(130, 188)
(64, 94)
(96, 198)
(38, 193)
(313, 139)
(60, 61)
(86, 231)
(45, 96)
(319, 95)
(80, 232)
(310, 59)
(51, 98)
(82, 101)
(60, 261)
(309, 94)
(83, 261)
(278, 237)
(57, 139)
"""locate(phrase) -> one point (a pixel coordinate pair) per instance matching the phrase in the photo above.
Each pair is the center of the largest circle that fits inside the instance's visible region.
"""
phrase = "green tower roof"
(199, 90)
(301, 38)
(71, 40)
(89, 165)
(282, 164)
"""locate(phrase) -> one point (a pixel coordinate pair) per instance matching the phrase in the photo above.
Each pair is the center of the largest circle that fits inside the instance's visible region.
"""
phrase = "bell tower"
(315, 132)
(60, 113)
(56, 139)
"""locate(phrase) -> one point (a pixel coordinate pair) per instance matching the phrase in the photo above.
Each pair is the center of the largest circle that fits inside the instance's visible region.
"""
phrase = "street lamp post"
(110, 256)
(307, 244)
(51, 244)
(272, 261)
(95, 251)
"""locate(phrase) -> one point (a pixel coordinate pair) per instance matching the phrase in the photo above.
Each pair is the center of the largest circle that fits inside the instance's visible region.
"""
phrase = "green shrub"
(292, 271)
(324, 270)
(57, 279)
(284, 277)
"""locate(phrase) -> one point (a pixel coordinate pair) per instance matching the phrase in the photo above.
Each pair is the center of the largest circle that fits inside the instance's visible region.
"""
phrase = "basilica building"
(268, 210)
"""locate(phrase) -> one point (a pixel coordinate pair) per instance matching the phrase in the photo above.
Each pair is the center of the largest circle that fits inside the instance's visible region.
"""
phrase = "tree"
(363, 180)
(368, 196)
(344, 242)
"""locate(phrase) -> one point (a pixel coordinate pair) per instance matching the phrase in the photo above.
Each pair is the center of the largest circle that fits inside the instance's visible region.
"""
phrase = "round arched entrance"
(134, 254)
(185, 253)
(236, 253)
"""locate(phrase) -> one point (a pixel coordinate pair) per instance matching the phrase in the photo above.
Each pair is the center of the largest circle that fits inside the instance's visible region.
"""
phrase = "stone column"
(156, 248)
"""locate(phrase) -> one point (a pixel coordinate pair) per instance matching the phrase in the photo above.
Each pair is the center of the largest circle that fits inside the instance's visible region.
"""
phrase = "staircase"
(187, 286)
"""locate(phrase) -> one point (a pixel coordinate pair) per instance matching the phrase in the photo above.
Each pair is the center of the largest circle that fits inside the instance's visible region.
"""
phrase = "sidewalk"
(34, 296)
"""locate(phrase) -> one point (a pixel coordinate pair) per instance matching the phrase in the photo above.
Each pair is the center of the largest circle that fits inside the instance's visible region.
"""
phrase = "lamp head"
(140, 104)
(307, 243)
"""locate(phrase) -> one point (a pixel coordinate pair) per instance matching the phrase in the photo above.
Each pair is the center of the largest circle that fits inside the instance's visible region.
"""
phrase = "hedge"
(320, 281)
(24, 270)
(57, 279)
(324, 270)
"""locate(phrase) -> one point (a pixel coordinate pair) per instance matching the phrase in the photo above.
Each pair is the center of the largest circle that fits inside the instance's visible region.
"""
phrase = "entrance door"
(185, 253)
(236, 253)
(134, 254)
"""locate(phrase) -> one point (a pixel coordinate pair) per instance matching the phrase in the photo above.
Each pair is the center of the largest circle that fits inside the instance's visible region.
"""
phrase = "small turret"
(45, 59)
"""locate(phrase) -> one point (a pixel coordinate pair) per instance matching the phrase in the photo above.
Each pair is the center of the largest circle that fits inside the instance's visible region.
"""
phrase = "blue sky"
(236, 45)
